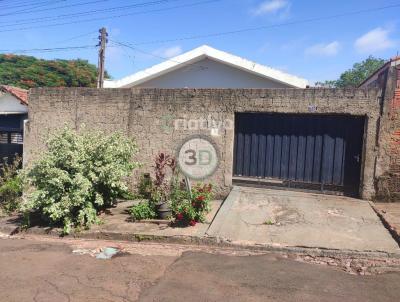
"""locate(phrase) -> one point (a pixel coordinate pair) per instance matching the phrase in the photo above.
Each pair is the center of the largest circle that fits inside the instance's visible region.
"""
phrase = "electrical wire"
(91, 12)
(29, 7)
(127, 45)
(112, 17)
(54, 8)
(76, 37)
(46, 49)
(29, 3)
(265, 27)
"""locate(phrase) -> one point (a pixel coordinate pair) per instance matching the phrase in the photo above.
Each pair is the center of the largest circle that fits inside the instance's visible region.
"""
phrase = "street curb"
(207, 241)
(395, 234)
(221, 215)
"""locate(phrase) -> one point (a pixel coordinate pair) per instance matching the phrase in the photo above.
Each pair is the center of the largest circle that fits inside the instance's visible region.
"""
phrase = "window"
(3, 138)
(16, 138)
(11, 138)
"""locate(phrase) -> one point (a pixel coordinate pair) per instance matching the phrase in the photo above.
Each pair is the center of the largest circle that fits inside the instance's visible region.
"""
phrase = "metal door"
(311, 151)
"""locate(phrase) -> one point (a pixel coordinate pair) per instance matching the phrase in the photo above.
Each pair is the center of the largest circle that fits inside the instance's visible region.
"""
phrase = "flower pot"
(163, 210)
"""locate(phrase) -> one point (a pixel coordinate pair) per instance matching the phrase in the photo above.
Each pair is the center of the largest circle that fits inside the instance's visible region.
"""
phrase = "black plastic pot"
(163, 210)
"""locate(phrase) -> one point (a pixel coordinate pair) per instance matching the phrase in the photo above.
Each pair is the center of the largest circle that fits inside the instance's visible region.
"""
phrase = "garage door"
(312, 151)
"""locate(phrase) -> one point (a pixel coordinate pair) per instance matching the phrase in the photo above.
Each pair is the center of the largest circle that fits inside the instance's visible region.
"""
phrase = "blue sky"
(317, 50)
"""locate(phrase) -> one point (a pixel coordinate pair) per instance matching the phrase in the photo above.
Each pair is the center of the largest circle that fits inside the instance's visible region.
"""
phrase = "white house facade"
(207, 67)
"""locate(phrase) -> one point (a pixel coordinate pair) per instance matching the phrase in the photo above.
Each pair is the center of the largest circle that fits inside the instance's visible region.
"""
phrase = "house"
(13, 113)
(207, 67)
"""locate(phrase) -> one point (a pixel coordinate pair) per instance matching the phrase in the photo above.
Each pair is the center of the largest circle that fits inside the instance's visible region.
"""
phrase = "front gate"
(317, 152)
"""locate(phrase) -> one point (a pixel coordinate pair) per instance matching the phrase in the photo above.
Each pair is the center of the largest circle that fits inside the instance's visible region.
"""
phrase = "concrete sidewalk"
(258, 219)
(285, 218)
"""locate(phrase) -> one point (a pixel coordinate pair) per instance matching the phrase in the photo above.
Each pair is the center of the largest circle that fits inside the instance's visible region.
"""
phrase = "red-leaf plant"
(162, 185)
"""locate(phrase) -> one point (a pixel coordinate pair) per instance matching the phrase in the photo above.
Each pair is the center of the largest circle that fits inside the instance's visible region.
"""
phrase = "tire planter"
(163, 210)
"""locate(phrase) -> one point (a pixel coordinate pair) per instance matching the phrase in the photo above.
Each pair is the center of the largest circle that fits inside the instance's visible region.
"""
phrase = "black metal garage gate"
(317, 152)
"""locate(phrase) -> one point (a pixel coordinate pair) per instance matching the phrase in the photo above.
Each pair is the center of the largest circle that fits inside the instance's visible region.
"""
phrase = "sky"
(316, 40)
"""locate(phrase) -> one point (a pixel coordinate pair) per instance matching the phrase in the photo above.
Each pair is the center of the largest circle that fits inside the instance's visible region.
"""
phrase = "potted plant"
(164, 164)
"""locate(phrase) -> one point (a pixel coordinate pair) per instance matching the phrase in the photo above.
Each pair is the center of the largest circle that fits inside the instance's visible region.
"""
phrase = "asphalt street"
(37, 270)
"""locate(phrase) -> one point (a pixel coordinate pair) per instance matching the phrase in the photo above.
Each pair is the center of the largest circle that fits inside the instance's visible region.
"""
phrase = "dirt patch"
(353, 266)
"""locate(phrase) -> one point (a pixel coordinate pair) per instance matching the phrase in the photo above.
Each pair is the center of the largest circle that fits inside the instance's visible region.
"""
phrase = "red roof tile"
(19, 93)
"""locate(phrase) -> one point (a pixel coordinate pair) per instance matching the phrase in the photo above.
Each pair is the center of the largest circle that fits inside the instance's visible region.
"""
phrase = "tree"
(356, 75)
(28, 72)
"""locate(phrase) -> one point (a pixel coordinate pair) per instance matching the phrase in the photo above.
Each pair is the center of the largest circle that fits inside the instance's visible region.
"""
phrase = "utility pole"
(102, 53)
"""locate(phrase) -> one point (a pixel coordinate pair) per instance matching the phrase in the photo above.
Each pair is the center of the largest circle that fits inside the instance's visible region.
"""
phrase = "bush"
(143, 210)
(11, 185)
(80, 175)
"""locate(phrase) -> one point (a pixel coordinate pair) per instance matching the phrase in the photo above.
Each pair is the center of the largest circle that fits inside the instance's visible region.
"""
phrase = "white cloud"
(168, 52)
(271, 7)
(330, 49)
(373, 41)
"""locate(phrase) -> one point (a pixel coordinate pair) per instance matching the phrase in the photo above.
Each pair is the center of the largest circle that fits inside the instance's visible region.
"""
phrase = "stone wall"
(148, 115)
(388, 162)
(387, 172)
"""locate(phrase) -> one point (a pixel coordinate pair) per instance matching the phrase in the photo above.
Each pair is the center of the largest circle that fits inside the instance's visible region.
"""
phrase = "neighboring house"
(13, 112)
(207, 67)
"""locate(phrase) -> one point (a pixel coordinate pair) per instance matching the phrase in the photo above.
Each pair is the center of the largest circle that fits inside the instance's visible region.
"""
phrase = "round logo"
(198, 158)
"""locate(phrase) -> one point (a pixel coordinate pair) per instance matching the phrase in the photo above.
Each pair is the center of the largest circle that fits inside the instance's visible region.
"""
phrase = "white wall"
(208, 73)
(10, 104)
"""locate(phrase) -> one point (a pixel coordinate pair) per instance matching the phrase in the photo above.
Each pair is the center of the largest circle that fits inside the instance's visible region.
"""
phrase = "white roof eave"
(214, 54)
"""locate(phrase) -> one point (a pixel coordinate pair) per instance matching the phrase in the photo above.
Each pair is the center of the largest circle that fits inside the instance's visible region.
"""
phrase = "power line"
(54, 8)
(77, 37)
(46, 49)
(28, 10)
(17, 2)
(29, 4)
(112, 17)
(133, 45)
(264, 27)
(91, 12)
(128, 45)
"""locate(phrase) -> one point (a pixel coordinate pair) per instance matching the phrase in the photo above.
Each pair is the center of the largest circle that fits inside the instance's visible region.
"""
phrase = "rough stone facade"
(148, 114)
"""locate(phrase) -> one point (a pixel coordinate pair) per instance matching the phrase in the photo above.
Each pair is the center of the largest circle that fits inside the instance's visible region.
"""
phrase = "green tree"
(356, 75)
(28, 72)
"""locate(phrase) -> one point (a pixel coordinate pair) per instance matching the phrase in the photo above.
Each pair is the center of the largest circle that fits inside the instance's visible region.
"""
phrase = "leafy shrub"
(80, 175)
(191, 208)
(143, 210)
(145, 187)
(11, 185)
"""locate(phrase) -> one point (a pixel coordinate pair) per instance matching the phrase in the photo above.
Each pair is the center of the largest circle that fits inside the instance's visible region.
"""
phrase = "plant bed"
(168, 197)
